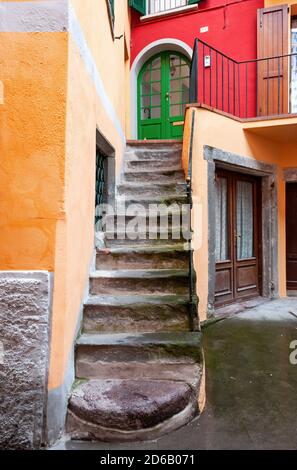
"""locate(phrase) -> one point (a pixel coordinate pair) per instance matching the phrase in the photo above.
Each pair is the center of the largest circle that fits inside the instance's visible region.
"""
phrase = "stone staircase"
(139, 366)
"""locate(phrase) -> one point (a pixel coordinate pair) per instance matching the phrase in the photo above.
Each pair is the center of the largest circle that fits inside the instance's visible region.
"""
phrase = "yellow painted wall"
(274, 3)
(227, 134)
(109, 54)
(85, 113)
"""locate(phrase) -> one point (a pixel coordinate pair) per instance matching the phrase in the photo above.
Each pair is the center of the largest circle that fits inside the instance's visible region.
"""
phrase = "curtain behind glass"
(221, 219)
(245, 220)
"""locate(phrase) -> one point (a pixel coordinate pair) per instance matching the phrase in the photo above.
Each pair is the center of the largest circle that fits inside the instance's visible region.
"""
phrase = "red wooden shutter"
(273, 84)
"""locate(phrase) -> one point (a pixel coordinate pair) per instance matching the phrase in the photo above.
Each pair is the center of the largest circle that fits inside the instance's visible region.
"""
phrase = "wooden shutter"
(139, 5)
(273, 84)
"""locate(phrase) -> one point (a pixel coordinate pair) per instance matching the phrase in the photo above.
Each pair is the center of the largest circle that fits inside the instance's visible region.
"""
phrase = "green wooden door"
(163, 93)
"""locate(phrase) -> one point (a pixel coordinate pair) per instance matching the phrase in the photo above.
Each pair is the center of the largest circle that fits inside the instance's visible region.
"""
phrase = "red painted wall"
(232, 27)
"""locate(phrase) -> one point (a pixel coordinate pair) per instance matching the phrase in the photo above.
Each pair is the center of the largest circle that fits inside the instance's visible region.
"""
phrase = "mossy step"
(126, 410)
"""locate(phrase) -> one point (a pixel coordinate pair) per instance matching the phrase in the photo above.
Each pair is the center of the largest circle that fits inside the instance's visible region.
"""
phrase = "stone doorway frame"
(218, 158)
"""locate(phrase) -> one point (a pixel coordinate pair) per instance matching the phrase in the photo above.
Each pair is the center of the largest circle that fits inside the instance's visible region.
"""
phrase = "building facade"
(61, 105)
(93, 96)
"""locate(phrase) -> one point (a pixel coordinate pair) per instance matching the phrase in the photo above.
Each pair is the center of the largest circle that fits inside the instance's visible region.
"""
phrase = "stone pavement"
(251, 386)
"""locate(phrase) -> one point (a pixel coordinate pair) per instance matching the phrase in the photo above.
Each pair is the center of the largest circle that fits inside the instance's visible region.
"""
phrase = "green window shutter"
(139, 5)
(192, 2)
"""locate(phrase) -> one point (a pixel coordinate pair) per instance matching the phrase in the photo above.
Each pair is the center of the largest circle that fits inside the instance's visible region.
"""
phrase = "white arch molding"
(166, 44)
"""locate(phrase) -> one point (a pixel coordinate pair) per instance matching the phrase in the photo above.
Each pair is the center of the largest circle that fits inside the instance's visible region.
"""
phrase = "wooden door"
(273, 76)
(291, 236)
(163, 93)
(238, 202)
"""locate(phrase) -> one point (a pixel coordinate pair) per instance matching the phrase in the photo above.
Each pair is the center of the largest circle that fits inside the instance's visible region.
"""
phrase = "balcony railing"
(159, 6)
(245, 89)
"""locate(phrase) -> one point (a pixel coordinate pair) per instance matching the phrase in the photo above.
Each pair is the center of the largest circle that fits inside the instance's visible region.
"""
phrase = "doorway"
(291, 236)
(238, 237)
(163, 93)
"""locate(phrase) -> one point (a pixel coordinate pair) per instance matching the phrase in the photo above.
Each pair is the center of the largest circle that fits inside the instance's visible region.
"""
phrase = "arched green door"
(163, 93)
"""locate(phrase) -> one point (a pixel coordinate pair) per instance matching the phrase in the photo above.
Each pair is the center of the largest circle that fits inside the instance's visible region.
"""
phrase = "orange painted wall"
(32, 147)
(48, 123)
(85, 113)
(227, 134)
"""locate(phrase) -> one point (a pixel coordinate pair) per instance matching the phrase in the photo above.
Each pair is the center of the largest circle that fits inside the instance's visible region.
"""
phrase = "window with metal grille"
(111, 11)
(100, 197)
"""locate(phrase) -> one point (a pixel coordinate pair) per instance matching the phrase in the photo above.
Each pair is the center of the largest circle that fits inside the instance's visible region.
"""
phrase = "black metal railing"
(247, 88)
(193, 299)
(159, 6)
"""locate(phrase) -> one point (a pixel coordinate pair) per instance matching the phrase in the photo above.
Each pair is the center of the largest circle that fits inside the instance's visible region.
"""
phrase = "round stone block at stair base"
(129, 405)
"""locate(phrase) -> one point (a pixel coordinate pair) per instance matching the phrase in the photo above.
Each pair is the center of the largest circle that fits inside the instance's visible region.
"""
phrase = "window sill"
(176, 11)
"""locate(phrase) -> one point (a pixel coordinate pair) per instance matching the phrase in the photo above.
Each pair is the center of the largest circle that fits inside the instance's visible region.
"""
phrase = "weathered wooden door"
(291, 236)
(273, 75)
(238, 202)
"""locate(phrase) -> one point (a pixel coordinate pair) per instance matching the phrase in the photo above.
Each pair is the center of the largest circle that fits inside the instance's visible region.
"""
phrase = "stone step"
(143, 257)
(129, 238)
(164, 356)
(166, 155)
(136, 313)
(146, 217)
(152, 176)
(149, 233)
(127, 410)
(142, 201)
(151, 189)
(153, 151)
(88, 367)
(153, 144)
(140, 281)
(174, 164)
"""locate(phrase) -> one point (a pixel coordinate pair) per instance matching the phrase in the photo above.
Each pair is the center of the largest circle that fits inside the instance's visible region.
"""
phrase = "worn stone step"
(174, 164)
(153, 151)
(150, 355)
(139, 281)
(151, 176)
(145, 218)
(126, 410)
(141, 201)
(143, 257)
(151, 189)
(149, 233)
(136, 313)
(90, 367)
(127, 239)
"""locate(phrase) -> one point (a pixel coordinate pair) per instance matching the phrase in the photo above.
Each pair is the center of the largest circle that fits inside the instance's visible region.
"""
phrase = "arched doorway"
(162, 95)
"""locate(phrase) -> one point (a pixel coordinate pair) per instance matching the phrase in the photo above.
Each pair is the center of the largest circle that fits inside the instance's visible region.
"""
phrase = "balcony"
(248, 89)
(161, 6)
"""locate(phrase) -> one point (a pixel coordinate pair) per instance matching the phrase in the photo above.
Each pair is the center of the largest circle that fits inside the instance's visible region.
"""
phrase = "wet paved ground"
(251, 386)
